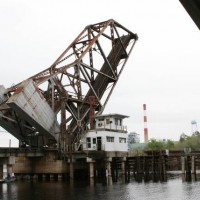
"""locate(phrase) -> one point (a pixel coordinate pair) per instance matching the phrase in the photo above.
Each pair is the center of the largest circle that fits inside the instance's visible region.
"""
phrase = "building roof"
(193, 9)
(112, 115)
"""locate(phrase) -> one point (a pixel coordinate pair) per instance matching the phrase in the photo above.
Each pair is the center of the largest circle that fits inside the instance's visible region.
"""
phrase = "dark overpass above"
(193, 9)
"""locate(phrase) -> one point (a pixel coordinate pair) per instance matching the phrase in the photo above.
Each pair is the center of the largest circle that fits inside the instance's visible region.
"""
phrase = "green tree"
(155, 145)
(188, 141)
(183, 137)
(169, 144)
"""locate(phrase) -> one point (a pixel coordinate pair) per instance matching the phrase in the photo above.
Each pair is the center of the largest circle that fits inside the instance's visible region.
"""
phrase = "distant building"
(133, 137)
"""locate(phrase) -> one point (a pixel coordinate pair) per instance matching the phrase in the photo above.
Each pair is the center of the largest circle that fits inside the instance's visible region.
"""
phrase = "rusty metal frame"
(90, 66)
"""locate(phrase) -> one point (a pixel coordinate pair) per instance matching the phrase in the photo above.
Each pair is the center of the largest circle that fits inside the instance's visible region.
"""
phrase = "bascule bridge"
(57, 106)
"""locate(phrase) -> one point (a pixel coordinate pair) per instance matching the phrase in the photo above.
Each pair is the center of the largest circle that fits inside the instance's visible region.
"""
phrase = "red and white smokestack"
(145, 124)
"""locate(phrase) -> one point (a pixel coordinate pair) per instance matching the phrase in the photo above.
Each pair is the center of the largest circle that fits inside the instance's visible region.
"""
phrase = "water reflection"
(140, 177)
(140, 187)
(150, 177)
(188, 177)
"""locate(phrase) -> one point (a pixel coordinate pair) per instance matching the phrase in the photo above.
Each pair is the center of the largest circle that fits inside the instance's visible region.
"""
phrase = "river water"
(174, 188)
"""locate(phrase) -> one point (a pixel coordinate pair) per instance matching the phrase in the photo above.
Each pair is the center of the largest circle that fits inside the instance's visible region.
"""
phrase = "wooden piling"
(193, 165)
(183, 164)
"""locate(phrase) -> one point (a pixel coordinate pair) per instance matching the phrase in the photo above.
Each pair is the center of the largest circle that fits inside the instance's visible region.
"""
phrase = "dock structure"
(47, 164)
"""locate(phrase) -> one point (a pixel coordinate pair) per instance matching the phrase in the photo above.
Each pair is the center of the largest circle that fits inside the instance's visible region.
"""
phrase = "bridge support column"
(11, 162)
(91, 167)
(71, 168)
(123, 165)
(51, 177)
(164, 165)
(115, 171)
(108, 167)
(109, 172)
(183, 164)
(44, 177)
(123, 169)
(60, 177)
(193, 165)
(10, 170)
(5, 172)
(1, 171)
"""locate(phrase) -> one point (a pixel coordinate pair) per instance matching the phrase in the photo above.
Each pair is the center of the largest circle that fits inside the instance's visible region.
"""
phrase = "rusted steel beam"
(90, 66)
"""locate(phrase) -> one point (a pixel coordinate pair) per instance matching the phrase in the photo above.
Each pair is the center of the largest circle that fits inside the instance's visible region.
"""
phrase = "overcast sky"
(162, 71)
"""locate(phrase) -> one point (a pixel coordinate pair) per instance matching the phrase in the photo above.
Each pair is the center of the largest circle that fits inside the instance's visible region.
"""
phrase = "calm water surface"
(175, 188)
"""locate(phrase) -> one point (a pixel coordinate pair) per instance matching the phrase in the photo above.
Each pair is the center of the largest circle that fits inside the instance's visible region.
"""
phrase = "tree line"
(185, 141)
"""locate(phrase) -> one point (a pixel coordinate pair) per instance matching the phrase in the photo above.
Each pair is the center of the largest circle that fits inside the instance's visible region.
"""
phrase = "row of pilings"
(152, 165)
(155, 166)
(139, 167)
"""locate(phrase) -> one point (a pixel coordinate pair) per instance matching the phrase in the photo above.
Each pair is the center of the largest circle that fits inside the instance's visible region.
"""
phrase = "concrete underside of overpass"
(193, 9)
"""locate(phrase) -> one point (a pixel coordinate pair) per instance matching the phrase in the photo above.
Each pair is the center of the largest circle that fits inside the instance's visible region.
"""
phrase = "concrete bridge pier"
(11, 162)
(60, 177)
(51, 177)
(44, 177)
(5, 171)
(123, 166)
(109, 171)
(91, 167)
(71, 170)
(108, 167)
(10, 170)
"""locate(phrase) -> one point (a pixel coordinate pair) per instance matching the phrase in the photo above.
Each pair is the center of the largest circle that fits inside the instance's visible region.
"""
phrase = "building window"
(118, 122)
(88, 142)
(94, 141)
(100, 122)
(107, 121)
(110, 139)
(122, 140)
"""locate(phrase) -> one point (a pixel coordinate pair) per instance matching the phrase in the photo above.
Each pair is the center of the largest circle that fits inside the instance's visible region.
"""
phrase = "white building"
(133, 137)
(109, 134)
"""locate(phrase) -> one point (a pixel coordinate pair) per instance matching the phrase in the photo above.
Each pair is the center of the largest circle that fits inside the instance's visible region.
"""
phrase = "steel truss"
(78, 85)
